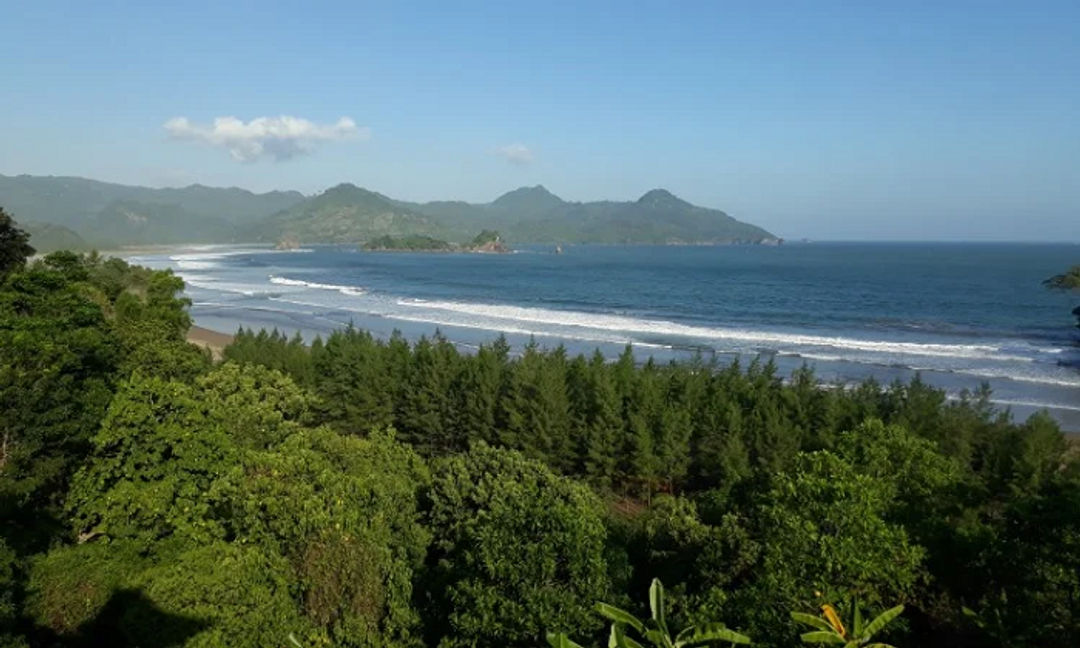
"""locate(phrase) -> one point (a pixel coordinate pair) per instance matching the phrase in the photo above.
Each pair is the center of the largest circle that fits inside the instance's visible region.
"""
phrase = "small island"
(1070, 280)
(486, 242)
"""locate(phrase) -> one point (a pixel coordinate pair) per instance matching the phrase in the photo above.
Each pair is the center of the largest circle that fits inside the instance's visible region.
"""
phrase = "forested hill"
(534, 214)
(105, 214)
(347, 213)
(344, 214)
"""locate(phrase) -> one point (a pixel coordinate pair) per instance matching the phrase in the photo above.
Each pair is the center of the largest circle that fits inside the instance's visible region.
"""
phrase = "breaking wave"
(353, 291)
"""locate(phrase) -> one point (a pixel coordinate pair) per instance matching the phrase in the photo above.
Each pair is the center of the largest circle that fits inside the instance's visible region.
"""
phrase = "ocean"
(957, 314)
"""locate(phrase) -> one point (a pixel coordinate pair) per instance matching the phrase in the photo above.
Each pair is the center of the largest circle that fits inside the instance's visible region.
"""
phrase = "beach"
(216, 341)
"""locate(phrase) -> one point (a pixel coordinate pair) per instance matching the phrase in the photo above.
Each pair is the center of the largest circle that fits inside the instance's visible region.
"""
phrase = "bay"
(956, 314)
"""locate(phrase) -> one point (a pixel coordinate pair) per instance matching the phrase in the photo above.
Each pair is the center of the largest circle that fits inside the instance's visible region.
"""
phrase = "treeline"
(361, 492)
(748, 491)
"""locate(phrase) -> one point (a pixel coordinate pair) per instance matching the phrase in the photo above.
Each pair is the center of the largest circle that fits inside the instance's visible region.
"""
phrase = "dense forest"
(366, 492)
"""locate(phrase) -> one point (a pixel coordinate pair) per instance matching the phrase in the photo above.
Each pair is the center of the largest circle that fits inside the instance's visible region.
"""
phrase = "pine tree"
(604, 429)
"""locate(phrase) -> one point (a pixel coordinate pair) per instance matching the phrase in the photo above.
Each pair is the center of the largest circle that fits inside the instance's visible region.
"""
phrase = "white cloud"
(515, 154)
(279, 138)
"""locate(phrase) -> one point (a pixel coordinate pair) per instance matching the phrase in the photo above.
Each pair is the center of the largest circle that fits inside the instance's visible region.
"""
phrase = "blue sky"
(855, 120)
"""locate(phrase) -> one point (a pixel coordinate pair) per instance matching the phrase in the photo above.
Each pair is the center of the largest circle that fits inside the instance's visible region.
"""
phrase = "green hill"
(102, 212)
(533, 214)
(47, 237)
(344, 214)
(129, 221)
(192, 213)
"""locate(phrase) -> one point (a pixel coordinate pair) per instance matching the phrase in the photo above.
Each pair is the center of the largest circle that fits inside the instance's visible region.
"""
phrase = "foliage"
(411, 242)
(69, 586)
(655, 629)
(494, 582)
(830, 629)
(154, 460)
(485, 237)
(8, 580)
(15, 246)
(149, 495)
(344, 512)
(46, 237)
(823, 528)
(240, 594)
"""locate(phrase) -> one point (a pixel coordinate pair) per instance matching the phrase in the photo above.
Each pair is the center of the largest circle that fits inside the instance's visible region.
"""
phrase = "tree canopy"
(356, 491)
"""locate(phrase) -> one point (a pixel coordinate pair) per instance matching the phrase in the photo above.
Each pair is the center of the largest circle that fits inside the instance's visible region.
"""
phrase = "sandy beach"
(216, 341)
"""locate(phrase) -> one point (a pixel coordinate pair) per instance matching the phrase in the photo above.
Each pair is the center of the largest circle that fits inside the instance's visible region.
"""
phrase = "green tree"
(354, 382)
(15, 246)
(535, 416)
(9, 608)
(476, 393)
(155, 457)
(240, 594)
(518, 551)
(344, 512)
(57, 372)
(603, 424)
(822, 528)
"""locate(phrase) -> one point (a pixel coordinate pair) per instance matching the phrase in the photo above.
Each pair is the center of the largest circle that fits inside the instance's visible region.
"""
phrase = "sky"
(825, 120)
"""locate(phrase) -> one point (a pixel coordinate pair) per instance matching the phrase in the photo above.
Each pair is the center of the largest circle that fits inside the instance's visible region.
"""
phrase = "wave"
(248, 290)
(513, 330)
(667, 328)
(1035, 404)
(1043, 380)
(352, 291)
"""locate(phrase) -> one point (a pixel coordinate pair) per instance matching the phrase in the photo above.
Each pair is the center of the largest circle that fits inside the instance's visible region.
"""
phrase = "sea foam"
(353, 291)
(784, 342)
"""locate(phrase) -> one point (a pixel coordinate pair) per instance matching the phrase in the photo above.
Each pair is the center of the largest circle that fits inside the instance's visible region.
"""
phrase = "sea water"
(957, 314)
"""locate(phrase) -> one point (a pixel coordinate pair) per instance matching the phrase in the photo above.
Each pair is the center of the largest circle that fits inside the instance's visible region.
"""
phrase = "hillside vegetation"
(106, 214)
(365, 492)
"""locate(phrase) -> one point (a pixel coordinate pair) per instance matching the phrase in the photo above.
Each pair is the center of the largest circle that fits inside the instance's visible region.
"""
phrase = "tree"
(57, 370)
(822, 528)
(518, 551)
(476, 393)
(240, 594)
(354, 382)
(155, 458)
(535, 413)
(15, 246)
(603, 424)
(8, 605)
(343, 511)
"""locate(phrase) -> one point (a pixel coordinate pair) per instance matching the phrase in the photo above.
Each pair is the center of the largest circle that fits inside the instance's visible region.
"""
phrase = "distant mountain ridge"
(535, 215)
(344, 214)
(108, 213)
(121, 214)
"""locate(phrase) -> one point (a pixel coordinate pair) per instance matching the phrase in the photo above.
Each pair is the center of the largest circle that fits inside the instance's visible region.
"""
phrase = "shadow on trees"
(129, 619)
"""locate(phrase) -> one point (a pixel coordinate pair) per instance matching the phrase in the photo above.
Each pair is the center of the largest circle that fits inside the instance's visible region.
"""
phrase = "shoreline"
(215, 341)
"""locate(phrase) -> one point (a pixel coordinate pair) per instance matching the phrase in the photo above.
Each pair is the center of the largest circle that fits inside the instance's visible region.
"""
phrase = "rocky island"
(486, 242)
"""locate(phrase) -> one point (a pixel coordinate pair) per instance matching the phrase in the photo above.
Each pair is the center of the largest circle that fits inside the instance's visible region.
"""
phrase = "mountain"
(46, 237)
(106, 214)
(344, 214)
(130, 221)
(527, 201)
(533, 214)
(83, 206)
